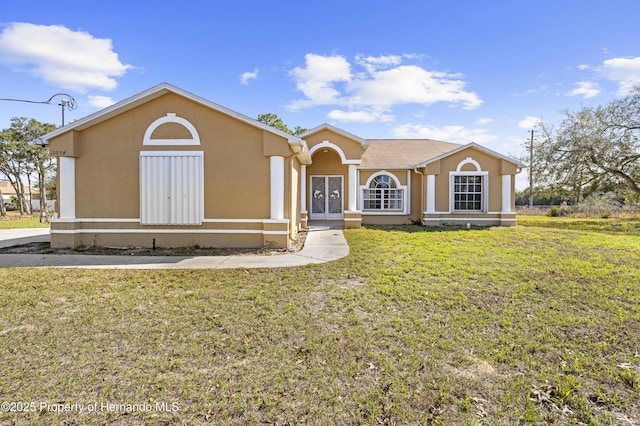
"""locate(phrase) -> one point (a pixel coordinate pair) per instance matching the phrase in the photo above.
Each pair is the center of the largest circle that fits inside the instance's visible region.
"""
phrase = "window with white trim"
(171, 187)
(383, 194)
(468, 193)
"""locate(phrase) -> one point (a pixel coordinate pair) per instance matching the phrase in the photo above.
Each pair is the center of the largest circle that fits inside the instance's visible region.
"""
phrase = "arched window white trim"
(383, 194)
(336, 148)
(171, 118)
(468, 190)
(466, 161)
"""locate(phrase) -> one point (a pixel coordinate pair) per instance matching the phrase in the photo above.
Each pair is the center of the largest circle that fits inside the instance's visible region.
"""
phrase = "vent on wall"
(171, 187)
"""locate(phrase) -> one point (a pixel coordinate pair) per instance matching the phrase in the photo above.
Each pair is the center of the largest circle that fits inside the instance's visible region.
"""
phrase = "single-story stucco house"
(169, 168)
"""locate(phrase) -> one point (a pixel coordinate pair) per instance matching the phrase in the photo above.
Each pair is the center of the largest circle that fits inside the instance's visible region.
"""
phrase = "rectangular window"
(171, 187)
(468, 193)
(382, 199)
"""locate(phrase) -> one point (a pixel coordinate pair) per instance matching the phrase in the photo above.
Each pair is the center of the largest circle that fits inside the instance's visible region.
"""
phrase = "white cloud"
(587, 89)
(73, 60)
(246, 77)
(457, 134)
(411, 84)
(378, 84)
(624, 71)
(100, 101)
(317, 80)
(529, 122)
(484, 121)
(360, 116)
(372, 63)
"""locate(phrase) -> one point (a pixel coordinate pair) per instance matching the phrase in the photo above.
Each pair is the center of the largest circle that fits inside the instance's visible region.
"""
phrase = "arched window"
(383, 193)
(469, 187)
(171, 130)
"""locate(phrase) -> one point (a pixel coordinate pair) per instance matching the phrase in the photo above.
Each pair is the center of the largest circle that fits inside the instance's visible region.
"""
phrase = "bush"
(556, 211)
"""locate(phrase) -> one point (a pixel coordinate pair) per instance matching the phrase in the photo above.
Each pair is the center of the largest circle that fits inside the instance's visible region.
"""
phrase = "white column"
(353, 188)
(431, 193)
(303, 188)
(67, 170)
(277, 187)
(506, 193)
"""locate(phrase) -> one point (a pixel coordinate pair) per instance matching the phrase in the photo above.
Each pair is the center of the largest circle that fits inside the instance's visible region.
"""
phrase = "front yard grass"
(14, 220)
(534, 324)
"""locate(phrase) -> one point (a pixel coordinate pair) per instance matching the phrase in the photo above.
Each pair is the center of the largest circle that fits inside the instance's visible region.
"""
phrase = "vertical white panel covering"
(171, 187)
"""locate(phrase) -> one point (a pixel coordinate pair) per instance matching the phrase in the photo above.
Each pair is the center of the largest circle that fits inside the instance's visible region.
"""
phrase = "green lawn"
(13, 220)
(538, 323)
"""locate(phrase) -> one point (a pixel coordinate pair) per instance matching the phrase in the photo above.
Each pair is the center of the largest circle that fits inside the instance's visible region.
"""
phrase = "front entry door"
(326, 197)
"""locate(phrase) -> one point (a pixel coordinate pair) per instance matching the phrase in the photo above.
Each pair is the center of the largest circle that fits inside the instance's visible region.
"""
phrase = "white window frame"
(485, 191)
(485, 185)
(403, 189)
(171, 187)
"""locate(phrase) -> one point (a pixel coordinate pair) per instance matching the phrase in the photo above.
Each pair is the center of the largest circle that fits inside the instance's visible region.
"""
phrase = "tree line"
(24, 157)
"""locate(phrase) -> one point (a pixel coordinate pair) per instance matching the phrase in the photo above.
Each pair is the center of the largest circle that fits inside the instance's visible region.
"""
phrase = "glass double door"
(326, 197)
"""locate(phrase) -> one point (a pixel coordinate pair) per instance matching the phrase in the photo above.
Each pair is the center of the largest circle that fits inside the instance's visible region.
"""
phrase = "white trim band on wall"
(167, 231)
(137, 220)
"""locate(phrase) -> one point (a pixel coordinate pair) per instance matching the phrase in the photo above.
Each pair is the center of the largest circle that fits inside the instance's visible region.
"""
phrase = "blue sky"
(458, 71)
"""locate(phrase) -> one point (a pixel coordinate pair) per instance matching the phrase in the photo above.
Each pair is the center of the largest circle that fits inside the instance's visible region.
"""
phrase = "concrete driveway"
(324, 243)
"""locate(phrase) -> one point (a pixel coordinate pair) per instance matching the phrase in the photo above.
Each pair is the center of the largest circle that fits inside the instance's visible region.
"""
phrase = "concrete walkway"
(16, 237)
(324, 243)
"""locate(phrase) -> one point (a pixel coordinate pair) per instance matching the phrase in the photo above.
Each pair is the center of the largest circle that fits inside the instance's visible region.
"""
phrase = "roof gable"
(467, 146)
(334, 129)
(153, 93)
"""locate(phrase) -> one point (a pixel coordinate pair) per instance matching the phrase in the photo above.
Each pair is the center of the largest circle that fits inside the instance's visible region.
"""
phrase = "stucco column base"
(276, 233)
(508, 219)
(304, 219)
(65, 240)
(352, 219)
(431, 219)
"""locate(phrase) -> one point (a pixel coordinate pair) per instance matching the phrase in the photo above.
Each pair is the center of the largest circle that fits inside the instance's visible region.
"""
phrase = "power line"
(67, 102)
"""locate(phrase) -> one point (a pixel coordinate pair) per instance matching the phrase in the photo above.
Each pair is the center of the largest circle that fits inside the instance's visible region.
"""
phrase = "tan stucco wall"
(67, 145)
(236, 168)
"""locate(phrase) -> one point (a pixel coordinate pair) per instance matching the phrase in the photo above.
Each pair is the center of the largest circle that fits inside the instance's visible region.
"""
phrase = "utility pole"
(63, 103)
(531, 172)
